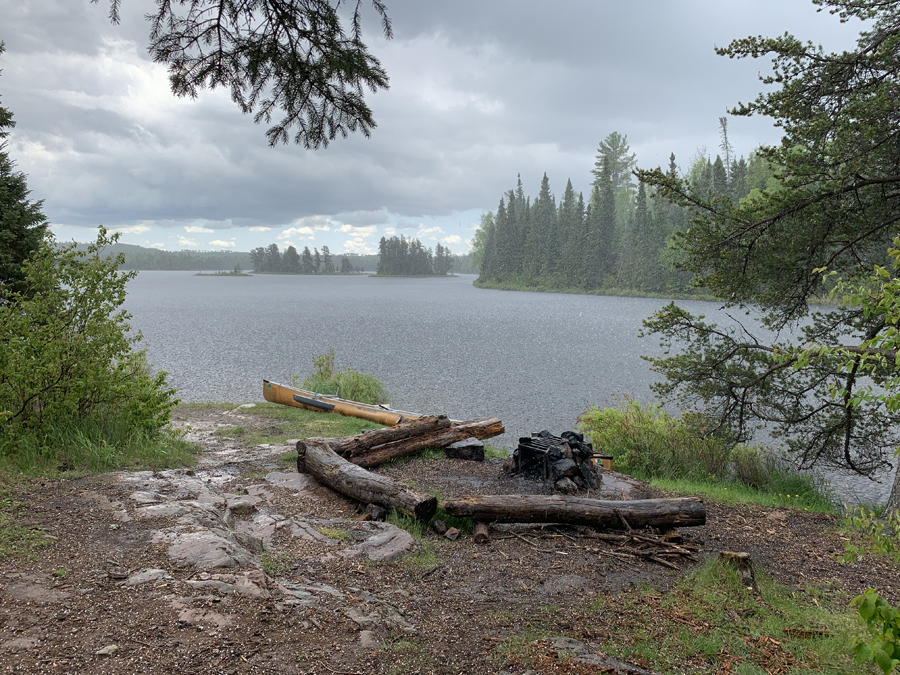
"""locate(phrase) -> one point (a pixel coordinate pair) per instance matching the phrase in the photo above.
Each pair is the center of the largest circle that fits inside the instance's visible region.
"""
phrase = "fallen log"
(483, 428)
(376, 447)
(327, 467)
(349, 446)
(600, 513)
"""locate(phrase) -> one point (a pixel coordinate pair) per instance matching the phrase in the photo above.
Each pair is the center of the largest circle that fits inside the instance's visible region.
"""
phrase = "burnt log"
(483, 428)
(599, 513)
(481, 536)
(327, 467)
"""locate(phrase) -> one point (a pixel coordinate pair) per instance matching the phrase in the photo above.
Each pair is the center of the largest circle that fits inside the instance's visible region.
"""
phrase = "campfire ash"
(565, 461)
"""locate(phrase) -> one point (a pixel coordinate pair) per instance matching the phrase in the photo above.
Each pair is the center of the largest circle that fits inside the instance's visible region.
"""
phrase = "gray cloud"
(480, 92)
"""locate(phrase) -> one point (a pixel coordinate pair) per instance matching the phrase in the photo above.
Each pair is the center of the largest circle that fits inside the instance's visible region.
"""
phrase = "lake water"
(535, 360)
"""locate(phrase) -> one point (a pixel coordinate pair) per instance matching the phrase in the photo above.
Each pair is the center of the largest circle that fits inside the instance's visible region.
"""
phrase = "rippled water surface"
(535, 360)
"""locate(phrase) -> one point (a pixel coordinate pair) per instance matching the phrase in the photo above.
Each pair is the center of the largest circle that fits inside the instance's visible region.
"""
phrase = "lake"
(440, 345)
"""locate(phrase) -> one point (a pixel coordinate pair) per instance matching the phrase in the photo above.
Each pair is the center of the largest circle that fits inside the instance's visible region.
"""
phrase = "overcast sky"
(480, 91)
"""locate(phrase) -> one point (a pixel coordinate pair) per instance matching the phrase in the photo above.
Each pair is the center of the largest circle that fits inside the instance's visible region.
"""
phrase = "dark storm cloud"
(480, 92)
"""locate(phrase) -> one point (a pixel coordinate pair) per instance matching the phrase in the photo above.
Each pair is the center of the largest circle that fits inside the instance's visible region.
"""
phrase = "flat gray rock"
(468, 448)
(207, 550)
(387, 543)
(146, 576)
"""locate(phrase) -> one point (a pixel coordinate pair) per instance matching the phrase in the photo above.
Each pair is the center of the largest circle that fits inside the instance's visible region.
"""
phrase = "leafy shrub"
(346, 383)
(882, 536)
(66, 355)
(883, 623)
(648, 443)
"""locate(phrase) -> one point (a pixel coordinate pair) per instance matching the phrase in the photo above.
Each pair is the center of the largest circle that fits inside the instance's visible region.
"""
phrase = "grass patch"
(17, 541)
(284, 423)
(335, 533)
(734, 493)
(93, 446)
(649, 444)
(275, 564)
(492, 452)
(710, 623)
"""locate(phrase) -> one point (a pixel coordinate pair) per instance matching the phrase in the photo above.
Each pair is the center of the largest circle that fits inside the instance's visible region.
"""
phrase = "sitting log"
(349, 446)
(321, 462)
(600, 513)
(377, 447)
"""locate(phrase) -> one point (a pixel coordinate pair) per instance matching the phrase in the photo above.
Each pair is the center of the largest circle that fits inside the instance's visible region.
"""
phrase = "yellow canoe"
(300, 398)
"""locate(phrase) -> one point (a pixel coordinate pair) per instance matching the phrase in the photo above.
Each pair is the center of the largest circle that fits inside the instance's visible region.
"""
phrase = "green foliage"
(883, 623)
(66, 356)
(825, 197)
(881, 535)
(345, 383)
(648, 443)
(293, 58)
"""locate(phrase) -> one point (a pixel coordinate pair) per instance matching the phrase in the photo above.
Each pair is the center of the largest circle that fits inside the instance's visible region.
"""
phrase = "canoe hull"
(308, 400)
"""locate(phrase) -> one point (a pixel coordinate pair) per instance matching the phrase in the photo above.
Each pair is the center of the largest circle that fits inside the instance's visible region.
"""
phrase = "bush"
(648, 443)
(66, 355)
(883, 623)
(345, 383)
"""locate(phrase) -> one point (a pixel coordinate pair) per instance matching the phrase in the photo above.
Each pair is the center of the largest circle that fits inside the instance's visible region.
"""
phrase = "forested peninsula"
(618, 240)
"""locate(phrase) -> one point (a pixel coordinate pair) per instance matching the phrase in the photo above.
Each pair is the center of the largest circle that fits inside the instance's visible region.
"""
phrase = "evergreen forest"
(399, 256)
(619, 239)
(270, 260)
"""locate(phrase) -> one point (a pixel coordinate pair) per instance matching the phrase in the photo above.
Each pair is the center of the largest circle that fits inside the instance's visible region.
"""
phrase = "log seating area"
(342, 464)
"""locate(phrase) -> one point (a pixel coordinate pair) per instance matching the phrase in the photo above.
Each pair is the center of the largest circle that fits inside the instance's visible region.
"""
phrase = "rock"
(582, 653)
(439, 526)
(387, 545)
(564, 468)
(566, 486)
(250, 542)
(292, 481)
(452, 534)
(470, 449)
(18, 644)
(241, 506)
(161, 511)
(376, 512)
(777, 517)
(146, 576)
(108, 650)
(208, 550)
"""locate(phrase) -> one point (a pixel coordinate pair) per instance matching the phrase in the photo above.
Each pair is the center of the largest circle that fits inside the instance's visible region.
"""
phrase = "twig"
(532, 544)
(624, 522)
(338, 672)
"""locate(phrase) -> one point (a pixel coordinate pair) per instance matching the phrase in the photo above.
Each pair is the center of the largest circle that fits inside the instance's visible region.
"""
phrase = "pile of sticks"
(661, 549)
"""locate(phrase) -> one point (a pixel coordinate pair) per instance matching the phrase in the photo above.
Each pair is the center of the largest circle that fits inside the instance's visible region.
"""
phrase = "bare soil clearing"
(241, 565)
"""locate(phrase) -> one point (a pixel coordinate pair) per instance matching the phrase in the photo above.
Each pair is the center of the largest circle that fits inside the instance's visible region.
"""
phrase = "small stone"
(452, 534)
(376, 512)
(108, 650)
(241, 506)
(566, 486)
(439, 526)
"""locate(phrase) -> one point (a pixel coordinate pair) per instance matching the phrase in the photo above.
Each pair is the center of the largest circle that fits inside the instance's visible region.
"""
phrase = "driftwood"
(321, 462)
(617, 515)
(377, 447)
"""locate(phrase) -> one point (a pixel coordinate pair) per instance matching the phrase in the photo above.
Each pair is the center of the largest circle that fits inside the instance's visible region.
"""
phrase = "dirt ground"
(133, 581)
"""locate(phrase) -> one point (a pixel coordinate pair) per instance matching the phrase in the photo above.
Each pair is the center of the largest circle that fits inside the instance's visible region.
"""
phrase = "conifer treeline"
(617, 240)
(271, 260)
(399, 256)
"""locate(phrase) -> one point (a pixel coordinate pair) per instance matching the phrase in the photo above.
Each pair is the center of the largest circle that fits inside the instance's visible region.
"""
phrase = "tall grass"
(346, 382)
(649, 444)
(92, 444)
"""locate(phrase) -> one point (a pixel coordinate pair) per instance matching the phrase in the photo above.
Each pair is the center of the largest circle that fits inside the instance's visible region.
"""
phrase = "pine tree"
(317, 261)
(23, 226)
(327, 262)
(306, 261)
(273, 259)
(290, 262)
